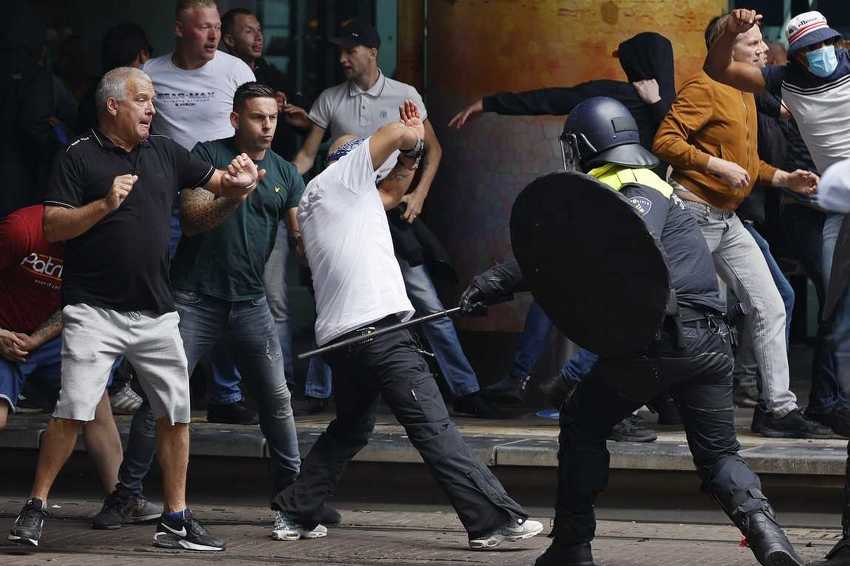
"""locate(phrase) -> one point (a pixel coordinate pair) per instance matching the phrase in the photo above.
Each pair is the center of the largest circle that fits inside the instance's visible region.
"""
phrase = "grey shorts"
(93, 337)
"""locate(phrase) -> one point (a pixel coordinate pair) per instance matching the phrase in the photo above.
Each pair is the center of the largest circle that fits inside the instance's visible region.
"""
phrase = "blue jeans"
(834, 393)
(533, 342)
(226, 376)
(319, 382)
(250, 332)
(225, 381)
(440, 333)
(803, 226)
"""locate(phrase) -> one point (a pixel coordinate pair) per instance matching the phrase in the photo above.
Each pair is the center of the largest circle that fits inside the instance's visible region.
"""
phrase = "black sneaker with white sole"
(121, 508)
(27, 527)
(186, 533)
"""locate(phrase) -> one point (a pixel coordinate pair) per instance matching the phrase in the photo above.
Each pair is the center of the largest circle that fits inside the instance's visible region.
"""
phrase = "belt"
(709, 210)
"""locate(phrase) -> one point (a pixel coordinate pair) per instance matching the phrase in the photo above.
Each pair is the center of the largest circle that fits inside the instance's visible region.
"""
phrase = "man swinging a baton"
(359, 289)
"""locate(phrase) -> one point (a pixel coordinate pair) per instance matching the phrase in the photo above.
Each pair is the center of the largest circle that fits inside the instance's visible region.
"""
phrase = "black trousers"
(708, 415)
(391, 366)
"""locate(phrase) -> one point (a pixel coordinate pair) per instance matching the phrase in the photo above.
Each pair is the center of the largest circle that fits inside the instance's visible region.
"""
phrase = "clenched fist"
(121, 187)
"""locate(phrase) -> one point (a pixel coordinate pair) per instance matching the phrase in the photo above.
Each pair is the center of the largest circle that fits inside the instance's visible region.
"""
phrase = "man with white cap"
(815, 87)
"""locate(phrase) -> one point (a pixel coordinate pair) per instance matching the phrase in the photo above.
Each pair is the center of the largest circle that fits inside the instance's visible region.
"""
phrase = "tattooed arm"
(395, 185)
(201, 210)
(415, 199)
(46, 331)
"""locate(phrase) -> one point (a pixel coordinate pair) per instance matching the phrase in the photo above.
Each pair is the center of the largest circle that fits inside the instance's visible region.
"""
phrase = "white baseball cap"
(807, 29)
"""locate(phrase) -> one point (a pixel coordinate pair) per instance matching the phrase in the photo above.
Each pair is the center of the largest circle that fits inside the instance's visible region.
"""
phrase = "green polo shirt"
(227, 262)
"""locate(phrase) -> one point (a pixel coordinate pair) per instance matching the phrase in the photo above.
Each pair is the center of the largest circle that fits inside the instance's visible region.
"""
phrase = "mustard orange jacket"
(710, 119)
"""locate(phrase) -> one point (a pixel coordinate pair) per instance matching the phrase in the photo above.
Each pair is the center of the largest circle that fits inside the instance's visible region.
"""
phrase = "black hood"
(649, 55)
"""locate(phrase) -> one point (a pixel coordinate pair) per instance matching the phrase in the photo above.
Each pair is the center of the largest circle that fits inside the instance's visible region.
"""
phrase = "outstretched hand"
(469, 113)
(802, 182)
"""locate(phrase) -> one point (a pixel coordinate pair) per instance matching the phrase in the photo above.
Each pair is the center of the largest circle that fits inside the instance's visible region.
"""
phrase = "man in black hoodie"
(647, 59)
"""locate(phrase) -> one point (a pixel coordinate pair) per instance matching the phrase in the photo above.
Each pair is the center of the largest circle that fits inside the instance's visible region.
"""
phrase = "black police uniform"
(691, 358)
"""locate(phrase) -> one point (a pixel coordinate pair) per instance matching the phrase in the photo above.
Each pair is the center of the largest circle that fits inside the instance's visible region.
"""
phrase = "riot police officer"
(687, 350)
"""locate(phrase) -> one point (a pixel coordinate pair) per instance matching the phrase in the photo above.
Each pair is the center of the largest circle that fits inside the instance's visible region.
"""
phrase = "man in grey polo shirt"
(360, 106)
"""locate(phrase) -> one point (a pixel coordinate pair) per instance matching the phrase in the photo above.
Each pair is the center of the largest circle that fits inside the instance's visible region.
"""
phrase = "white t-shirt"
(820, 106)
(194, 105)
(356, 276)
(346, 109)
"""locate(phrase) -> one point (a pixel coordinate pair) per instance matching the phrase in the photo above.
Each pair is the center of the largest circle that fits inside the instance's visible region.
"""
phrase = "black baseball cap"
(351, 33)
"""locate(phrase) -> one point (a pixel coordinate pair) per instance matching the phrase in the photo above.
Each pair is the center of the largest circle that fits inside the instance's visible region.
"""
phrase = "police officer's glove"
(496, 285)
(472, 301)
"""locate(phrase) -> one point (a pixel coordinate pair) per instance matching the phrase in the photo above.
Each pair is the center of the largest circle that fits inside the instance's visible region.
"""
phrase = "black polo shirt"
(122, 262)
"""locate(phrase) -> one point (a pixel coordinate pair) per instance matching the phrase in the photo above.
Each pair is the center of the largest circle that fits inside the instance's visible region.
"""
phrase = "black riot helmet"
(601, 130)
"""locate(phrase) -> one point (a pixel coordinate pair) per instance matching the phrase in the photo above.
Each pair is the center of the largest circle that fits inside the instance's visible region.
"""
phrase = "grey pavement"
(378, 536)
(525, 441)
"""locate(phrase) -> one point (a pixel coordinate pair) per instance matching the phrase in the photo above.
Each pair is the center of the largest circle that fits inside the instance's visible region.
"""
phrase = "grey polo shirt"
(346, 109)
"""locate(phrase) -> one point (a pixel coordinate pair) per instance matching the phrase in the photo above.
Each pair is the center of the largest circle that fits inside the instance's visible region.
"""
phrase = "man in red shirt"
(30, 327)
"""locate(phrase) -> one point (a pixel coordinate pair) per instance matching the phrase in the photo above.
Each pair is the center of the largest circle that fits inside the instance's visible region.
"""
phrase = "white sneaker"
(288, 529)
(509, 532)
(125, 401)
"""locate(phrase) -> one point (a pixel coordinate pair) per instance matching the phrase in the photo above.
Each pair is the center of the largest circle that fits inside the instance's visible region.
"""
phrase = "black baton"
(385, 330)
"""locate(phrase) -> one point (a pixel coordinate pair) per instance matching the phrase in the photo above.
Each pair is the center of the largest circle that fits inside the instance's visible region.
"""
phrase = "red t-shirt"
(30, 271)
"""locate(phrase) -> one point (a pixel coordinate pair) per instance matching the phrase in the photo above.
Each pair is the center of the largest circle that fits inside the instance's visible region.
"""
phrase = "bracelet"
(416, 151)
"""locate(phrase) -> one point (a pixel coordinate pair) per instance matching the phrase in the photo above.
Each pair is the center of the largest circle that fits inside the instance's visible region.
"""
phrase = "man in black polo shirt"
(217, 275)
(110, 198)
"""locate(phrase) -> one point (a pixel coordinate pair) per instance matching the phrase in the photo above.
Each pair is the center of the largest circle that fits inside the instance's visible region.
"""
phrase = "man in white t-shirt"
(359, 288)
(195, 83)
(194, 97)
(359, 106)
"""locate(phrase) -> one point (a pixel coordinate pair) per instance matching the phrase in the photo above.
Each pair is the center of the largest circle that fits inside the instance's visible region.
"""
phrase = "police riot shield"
(591, 263)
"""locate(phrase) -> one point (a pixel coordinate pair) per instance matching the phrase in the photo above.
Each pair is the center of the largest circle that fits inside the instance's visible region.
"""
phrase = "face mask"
(822, 62)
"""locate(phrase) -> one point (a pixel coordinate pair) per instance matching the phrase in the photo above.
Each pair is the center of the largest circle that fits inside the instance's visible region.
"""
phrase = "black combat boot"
(753, 515)
(838, 556)
(557, 390)
(559, 554)
(840, 553)
(766, 538)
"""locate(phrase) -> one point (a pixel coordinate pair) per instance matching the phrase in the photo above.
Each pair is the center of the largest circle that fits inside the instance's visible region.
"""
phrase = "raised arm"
(306, 156)
(719, 64)
(405, 135)
(395, 185)
(415, 199)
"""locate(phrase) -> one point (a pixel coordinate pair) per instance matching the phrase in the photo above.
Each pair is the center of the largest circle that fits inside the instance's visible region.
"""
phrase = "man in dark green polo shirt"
(217, 273)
